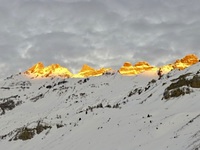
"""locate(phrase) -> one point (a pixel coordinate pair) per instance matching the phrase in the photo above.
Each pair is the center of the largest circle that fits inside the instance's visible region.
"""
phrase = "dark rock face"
(26, 133)
(36, 98)
(9, 103)
(184, 84)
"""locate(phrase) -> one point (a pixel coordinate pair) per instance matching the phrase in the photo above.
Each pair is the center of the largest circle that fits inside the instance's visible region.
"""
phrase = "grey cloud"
(100, 33)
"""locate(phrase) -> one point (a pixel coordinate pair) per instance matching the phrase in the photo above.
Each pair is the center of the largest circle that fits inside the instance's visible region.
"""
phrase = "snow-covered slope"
(109, 112)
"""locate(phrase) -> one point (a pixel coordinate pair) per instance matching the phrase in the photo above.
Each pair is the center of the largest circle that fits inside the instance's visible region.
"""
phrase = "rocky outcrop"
(184, 84)
(38, 70)
(88, 71)
(54, 70)
(185, 62)
(139, 67)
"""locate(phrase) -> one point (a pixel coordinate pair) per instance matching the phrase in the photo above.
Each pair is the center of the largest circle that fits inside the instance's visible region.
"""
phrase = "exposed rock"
(139, 67)
(38, 70)
(88, 71)
(182, 85)
(26, 133)
(36, 98)
(185, 62)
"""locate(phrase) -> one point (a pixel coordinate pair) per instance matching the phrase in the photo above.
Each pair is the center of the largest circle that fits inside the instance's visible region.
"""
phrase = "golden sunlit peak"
(54, 70)
(38, 70)
(88, 71)
(139, 67)
(185, 62)
(85, 67)
(127, 64)
(36, 67)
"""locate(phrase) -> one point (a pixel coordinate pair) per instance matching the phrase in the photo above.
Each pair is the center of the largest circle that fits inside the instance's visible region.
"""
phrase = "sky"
(100, 33)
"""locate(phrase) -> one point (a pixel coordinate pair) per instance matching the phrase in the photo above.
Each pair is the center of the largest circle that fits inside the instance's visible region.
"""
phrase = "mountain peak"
(139, 67)
(86, 67)
(142, 63)
(38, 70)
(88, 71)
(127, 64)
(190, 59)
(35, 68)
(186, 61)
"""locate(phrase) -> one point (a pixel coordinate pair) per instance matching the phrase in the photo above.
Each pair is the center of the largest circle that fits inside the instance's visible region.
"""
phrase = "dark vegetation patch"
(9, 98)
(135, 91)
(83, 95)
(5, 88)
(59, 126)
(36, 98)
(62, 82)
(48, 86)
(9, 103)
(62, 89)
(76, 96)
(26, 133)
(153, 81)
(83, 81)
(11, 77)
(100, 105)
(19, 85)
(24, 83)
(182, 85)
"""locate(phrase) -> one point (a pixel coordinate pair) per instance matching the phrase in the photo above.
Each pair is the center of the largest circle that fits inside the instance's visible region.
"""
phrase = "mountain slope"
(105, 112)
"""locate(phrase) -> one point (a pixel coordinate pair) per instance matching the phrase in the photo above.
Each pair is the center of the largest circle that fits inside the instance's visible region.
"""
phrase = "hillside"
(110, 112)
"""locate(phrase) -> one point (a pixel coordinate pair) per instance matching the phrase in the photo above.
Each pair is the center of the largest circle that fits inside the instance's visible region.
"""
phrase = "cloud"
(100, 33)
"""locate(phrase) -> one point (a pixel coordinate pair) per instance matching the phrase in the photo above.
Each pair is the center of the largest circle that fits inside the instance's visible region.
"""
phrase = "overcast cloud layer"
(101, 33)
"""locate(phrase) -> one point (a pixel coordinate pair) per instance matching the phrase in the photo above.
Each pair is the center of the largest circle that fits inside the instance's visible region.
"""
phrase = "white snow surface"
(144, 120)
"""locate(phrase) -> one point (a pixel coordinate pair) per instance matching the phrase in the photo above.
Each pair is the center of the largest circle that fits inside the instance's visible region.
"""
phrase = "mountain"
(88, 71)
(110, 112)
(185, 62)
(139, 67)
(55, 70)
(39, 71)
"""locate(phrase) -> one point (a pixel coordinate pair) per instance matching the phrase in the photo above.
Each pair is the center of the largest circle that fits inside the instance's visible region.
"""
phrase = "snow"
(143, 121)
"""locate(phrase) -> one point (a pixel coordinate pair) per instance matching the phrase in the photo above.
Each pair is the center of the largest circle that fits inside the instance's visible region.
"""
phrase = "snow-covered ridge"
(106, 112)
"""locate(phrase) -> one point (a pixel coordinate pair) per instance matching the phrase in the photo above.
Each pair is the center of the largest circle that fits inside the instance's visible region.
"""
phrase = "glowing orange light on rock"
(139, 67)
(129, 69)
(185, 62)
(38, 70)
(55, 70)
(88, 71)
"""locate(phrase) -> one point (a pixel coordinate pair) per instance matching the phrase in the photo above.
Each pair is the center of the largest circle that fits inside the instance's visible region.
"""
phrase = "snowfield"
(109, 112)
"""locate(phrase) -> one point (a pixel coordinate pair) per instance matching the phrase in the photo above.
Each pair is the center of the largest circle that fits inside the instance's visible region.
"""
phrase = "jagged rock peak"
(38, 70)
